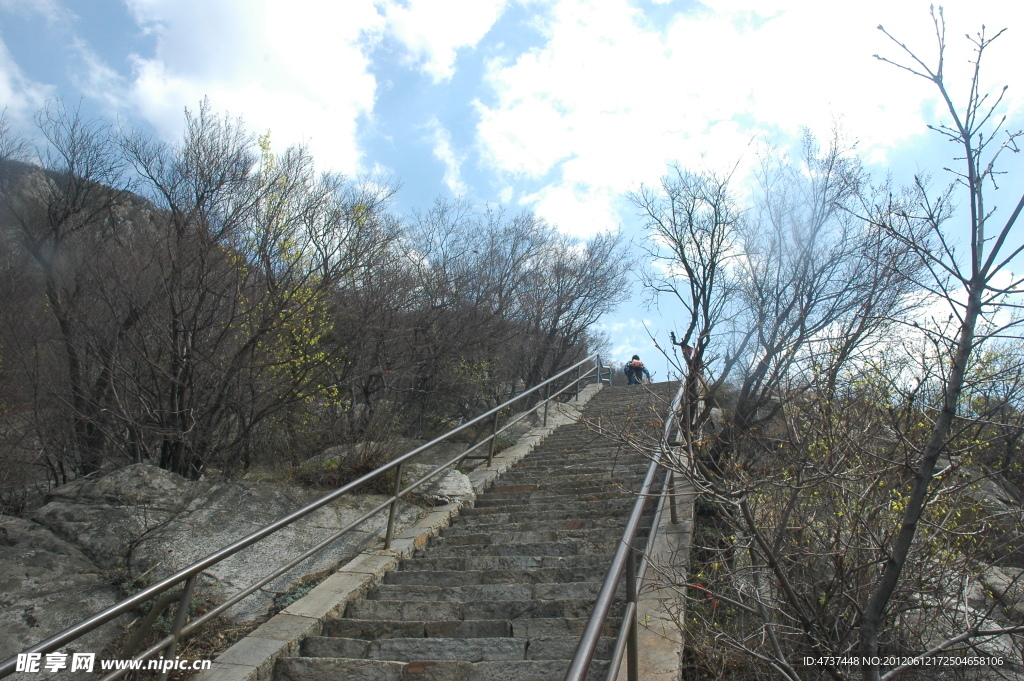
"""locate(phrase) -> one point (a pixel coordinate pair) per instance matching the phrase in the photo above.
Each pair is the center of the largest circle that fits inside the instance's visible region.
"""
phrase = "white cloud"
(434, 30)
(579, 209)
(299, 69)
(610, 99)
(49, 9)
(452, 162)
(20, 96)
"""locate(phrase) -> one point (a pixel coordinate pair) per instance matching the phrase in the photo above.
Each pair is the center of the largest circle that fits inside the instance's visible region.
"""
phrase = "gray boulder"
(47, 585)
(140, 484)
(107, 517)
(448, 487)
(229, 512)
(152, 523)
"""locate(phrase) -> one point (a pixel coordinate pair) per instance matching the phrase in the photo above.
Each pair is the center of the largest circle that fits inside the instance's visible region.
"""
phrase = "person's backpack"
(636, 365)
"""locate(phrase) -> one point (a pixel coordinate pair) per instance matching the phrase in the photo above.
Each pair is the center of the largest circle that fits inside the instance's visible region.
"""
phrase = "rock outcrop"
(151, 523)
(145, 523)
(46, 585)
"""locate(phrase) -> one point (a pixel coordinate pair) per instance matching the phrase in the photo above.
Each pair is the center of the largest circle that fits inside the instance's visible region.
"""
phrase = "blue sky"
(558, 106)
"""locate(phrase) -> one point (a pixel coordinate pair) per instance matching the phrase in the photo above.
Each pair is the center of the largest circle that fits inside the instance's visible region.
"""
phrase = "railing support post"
(579, 376)
(494, 441)
(547, 398)
(179, 622)
(632, 647)
(672, 497)
(393, 511)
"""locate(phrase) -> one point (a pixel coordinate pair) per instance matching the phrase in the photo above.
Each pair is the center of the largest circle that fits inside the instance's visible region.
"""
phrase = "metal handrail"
(625, 561)
(190, 573)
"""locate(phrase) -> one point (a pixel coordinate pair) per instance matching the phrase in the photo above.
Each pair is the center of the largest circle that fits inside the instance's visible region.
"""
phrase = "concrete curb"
(253, 658)
(660, 607)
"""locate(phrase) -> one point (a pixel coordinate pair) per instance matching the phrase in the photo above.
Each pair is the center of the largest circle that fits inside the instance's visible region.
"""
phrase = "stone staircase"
(505, 592)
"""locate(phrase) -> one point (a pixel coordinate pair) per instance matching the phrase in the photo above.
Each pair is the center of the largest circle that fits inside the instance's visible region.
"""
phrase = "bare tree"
(844, 517)
(693, 222)
(64, 209)
(977, 128)
(252, 247)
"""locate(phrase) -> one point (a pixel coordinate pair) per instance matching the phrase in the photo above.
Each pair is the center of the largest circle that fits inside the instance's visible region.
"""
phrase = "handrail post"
(672, 497)
(632, 647)
(578, 378)
(494, 441)
(393, 511)
(179, 622)
(547, 398)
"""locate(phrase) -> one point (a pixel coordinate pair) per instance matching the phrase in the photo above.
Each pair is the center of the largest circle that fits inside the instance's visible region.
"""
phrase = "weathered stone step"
(374, 629)
(552, 454)
(484, 610)
(610, 510)
(467, 537)
(343, 669)
(606, 489)
(464, 649)
(487, 592)
(559, 626)
(467, 577)
(409, 649)
(604, 546)
(559, 477)
(467, 593)
(530, 512)
(584, 508)
(503, 562)
(486, 523)
(555, 481)
(525, 627)
(554, 469)
(579, 451)
(512, 500)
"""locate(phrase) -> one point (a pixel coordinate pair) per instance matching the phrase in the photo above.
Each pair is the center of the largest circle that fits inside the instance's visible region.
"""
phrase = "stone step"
(375, 629)
(482, 610)
(612, 509)
(605, 546)
(553, 464)
(562, 479)
(617, 508)
(555, 481)
(581, 447)
(463, 649)
(589, 468)
(525, 627)
(447, 563)
(341, 669)
(467, 537)
(511, 501)
(487, 592)
(486, 523)
(467, 577)
(607, 489)
(410, 649)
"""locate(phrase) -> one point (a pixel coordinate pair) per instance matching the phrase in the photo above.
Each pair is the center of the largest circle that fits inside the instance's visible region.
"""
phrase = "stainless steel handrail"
(190, 573)
(625, 561)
